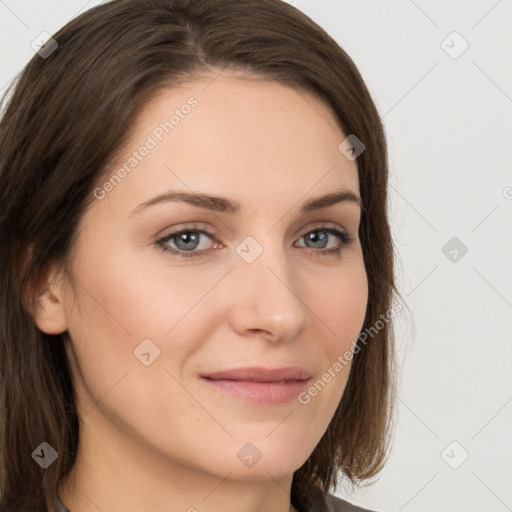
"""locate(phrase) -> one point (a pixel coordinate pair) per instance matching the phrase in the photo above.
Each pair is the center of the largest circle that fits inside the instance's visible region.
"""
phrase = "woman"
(195, 250)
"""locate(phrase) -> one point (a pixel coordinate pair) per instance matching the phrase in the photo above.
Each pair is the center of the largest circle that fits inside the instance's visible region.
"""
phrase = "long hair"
(64, 118)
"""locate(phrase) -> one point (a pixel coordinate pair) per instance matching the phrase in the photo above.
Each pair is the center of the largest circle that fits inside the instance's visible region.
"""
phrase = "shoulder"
(332, 503)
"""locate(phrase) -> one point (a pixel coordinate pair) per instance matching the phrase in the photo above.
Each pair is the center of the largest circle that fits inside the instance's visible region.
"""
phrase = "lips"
(259, 374)
(260, 385)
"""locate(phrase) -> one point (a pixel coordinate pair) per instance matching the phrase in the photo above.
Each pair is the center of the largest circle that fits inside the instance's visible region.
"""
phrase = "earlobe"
(48, 304)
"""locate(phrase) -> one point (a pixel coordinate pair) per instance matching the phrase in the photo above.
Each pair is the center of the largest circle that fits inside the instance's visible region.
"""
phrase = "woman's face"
(256, 289)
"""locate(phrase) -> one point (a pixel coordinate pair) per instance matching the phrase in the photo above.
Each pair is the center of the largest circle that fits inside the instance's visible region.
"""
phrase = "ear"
(48, 308)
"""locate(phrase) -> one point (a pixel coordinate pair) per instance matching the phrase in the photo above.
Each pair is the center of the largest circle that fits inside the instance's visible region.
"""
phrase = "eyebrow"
(225, 205)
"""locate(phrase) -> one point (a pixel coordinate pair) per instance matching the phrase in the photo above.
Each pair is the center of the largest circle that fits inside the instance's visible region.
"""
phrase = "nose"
(267, 297)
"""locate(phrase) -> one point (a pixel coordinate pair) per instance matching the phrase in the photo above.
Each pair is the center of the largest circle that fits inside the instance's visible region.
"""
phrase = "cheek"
(133, 313)
(126, 312)
(343, 307)
(138, 298)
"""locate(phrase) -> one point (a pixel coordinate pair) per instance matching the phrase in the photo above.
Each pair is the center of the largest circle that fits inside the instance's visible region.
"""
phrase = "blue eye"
(186, 241)
(343, 237)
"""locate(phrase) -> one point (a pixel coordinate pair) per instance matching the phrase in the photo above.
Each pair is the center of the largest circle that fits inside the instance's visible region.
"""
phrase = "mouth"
(260, 385)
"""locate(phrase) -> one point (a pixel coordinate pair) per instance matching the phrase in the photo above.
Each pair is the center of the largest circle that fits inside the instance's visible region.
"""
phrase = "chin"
(261, 461)
(261, 472)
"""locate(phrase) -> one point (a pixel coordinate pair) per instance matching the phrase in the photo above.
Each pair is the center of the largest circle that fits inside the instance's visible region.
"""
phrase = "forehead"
(222, 133)
(241, 108)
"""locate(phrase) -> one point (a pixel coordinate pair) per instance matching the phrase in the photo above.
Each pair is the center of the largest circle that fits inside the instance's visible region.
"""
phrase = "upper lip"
(261, 374)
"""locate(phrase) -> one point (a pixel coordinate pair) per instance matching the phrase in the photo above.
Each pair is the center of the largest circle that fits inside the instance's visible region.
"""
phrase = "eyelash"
(343, 236)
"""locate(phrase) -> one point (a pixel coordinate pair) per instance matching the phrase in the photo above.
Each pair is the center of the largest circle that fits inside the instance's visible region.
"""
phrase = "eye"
(320, 238)
(186, 242)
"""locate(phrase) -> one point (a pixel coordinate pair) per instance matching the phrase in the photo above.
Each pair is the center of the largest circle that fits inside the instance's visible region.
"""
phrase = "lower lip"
(260, 392)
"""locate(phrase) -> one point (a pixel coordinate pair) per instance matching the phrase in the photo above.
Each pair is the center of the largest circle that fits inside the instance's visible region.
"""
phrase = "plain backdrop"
(441, 76)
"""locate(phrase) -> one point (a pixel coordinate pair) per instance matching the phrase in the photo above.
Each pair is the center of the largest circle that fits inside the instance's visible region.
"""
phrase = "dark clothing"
(335, 504)
(330, 504)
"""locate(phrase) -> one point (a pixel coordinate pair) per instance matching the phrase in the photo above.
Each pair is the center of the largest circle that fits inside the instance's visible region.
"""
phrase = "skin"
(157, 437)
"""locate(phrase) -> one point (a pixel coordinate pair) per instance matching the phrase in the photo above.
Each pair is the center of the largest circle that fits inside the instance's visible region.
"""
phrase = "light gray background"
(449, 128)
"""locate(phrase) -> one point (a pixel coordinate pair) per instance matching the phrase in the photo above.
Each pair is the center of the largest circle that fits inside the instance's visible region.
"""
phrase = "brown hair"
(65, 117)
